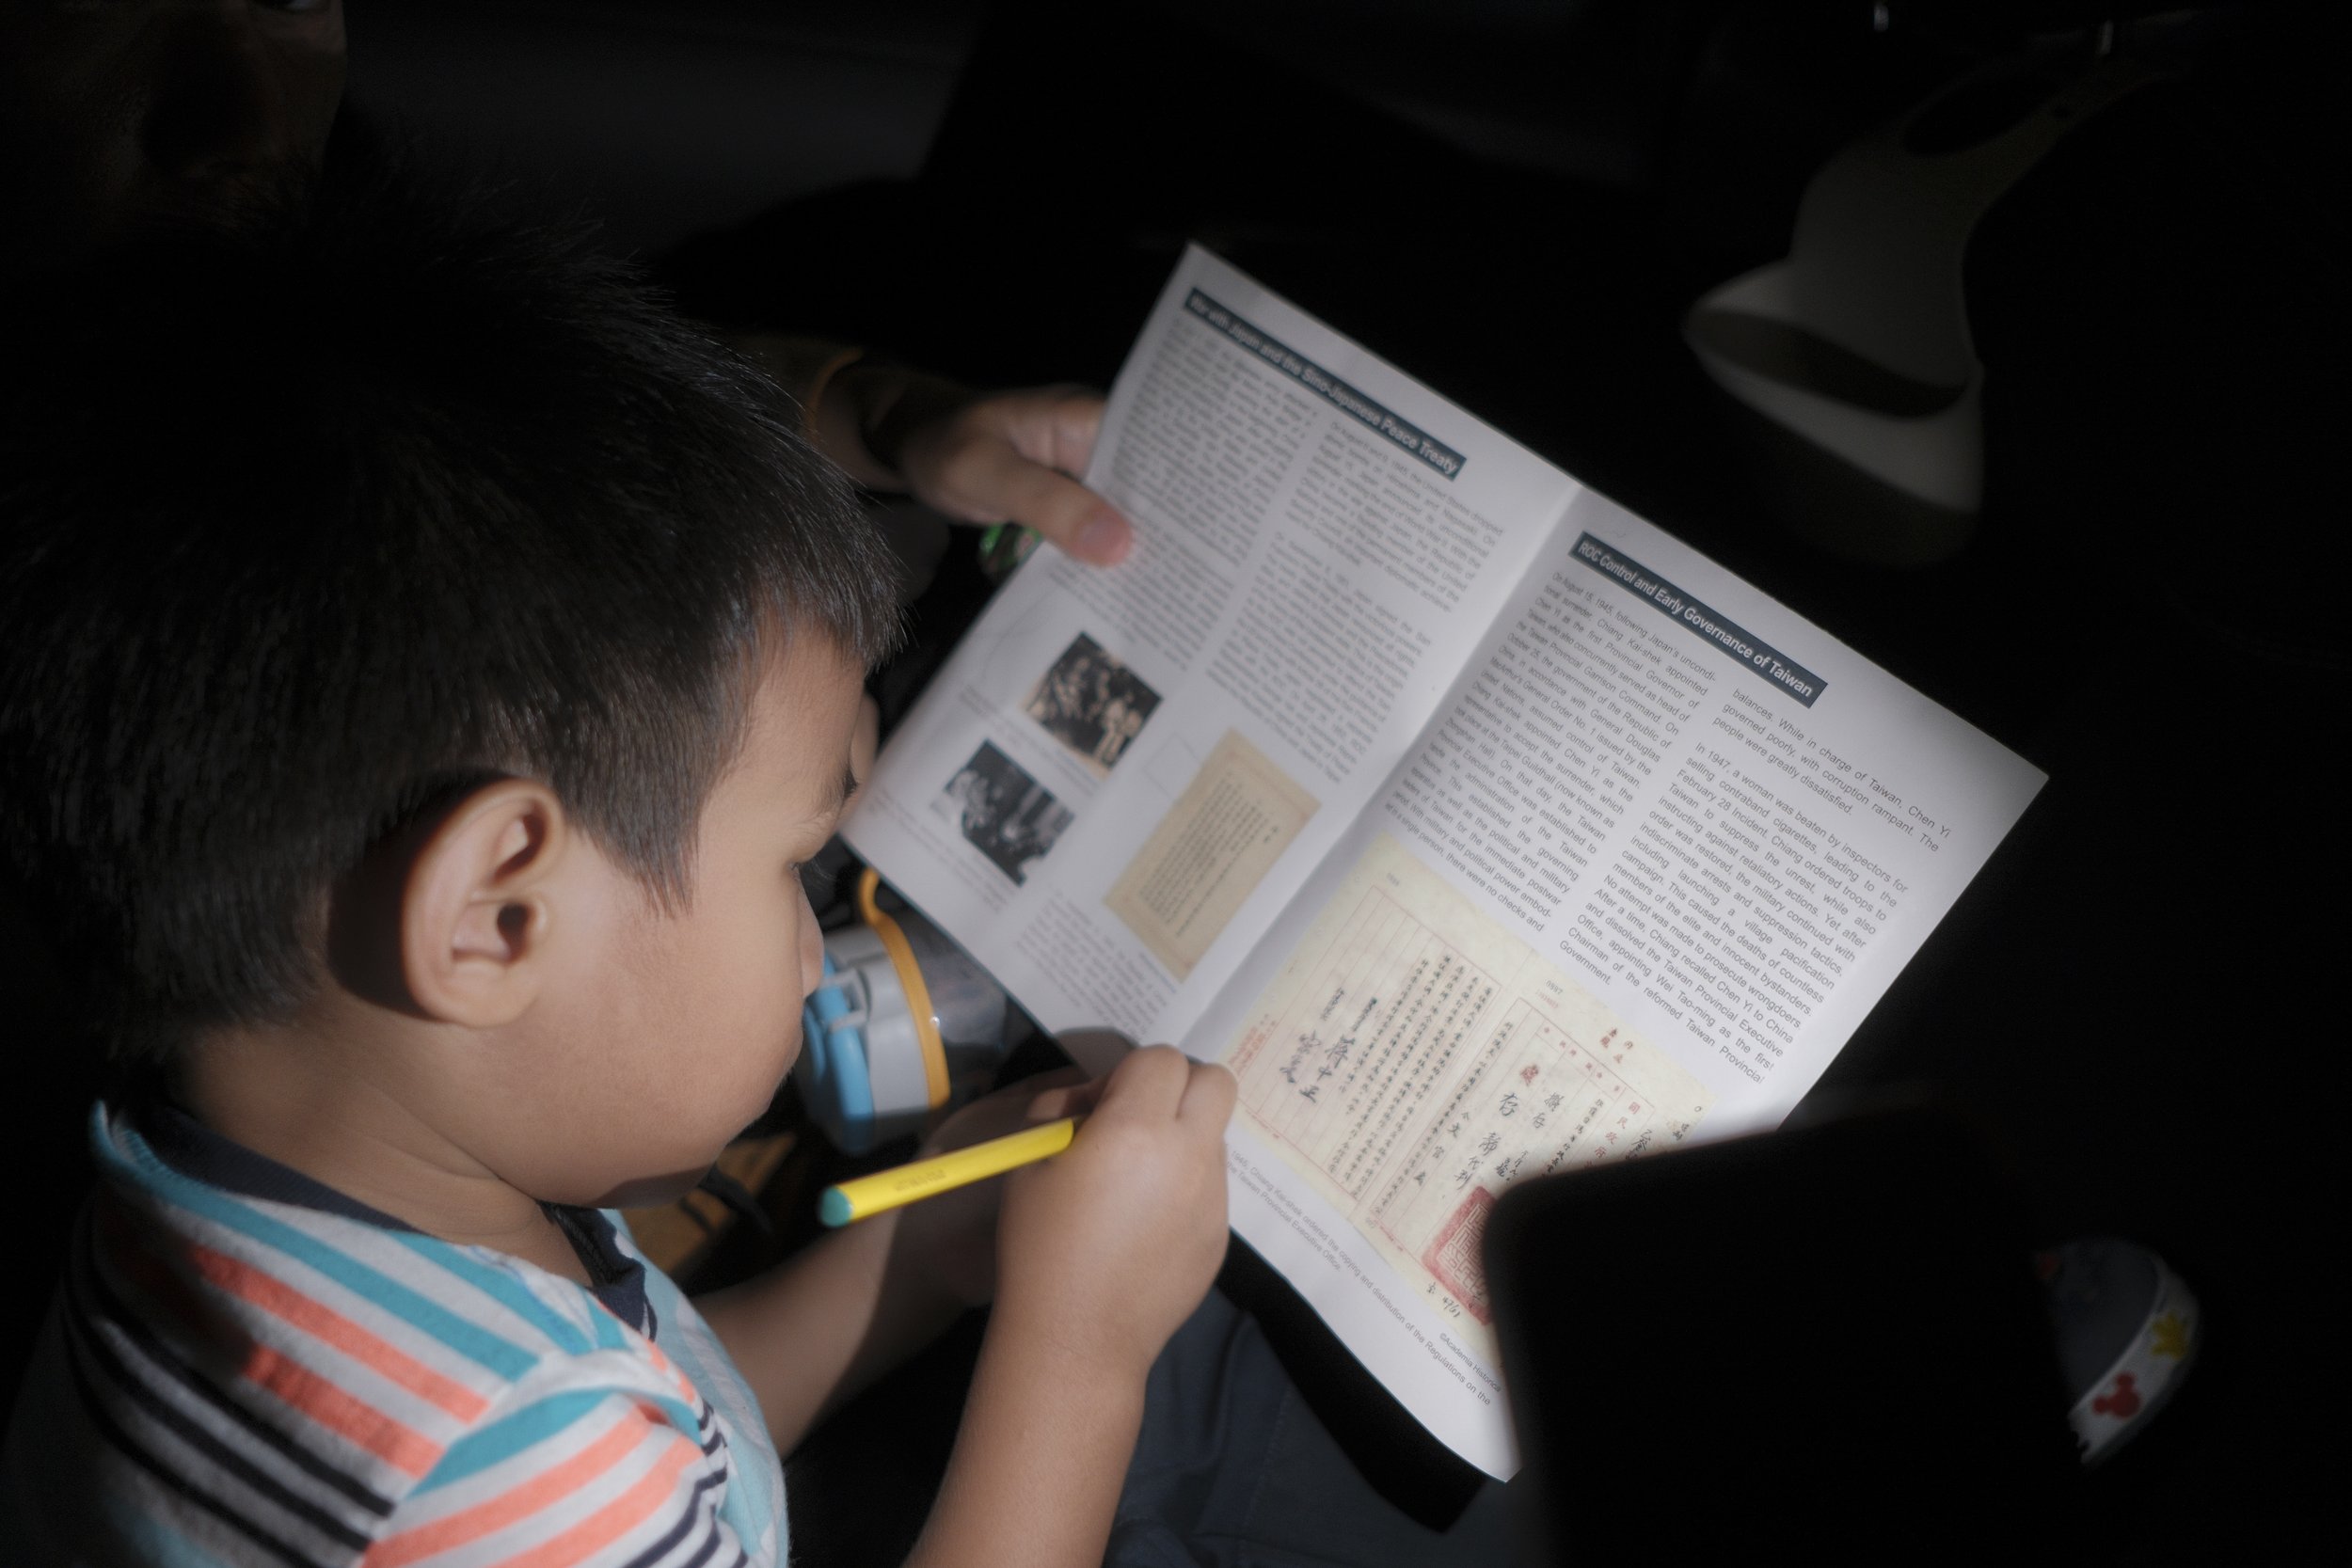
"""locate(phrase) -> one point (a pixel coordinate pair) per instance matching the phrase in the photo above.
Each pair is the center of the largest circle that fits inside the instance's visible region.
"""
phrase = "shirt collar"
(195, 1150)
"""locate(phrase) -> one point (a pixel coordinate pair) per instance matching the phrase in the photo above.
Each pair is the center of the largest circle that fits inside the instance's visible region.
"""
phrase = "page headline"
(1315, 378)
(1688, 613)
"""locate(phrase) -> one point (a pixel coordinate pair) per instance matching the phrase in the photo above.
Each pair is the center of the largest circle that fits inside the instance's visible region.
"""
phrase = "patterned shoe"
(2126, 1330)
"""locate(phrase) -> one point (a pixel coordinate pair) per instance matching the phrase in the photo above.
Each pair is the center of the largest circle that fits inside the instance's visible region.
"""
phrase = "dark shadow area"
(1516, 204)
(1849, 1309)
(2142, 612)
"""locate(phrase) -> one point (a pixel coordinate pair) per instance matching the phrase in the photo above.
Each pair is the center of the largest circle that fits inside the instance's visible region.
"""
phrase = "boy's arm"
(1040, 1458)
(1103, 1252)
(811, 1333)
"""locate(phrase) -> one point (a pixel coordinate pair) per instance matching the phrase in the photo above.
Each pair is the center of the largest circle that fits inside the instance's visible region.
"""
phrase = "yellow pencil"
(889, 1189)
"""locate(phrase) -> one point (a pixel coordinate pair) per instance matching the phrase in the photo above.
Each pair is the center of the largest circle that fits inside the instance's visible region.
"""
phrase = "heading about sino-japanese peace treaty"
(1733, 641)
(1331, 388)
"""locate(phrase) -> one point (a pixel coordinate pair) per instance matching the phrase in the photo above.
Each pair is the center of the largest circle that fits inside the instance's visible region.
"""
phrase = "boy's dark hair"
(307, 528)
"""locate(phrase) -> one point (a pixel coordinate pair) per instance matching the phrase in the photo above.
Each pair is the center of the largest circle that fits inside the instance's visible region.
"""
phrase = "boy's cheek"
(795, 1040)
(811, 940)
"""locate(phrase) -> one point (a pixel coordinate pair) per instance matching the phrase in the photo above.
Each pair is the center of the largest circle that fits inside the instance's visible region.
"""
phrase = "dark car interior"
(1519, 202)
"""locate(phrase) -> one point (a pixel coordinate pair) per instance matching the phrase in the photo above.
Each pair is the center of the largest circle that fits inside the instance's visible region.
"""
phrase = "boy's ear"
(477, 912)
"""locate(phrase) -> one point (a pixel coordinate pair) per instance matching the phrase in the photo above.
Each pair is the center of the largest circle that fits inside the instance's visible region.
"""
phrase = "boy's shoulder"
(242, 1363)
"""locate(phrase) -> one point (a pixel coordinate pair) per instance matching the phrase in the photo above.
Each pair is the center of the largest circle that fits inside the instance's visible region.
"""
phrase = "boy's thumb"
(1069, 1100)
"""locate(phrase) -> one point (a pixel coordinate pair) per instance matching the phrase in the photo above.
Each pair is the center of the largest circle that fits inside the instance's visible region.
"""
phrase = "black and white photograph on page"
(1092, 703)
(1004, 813)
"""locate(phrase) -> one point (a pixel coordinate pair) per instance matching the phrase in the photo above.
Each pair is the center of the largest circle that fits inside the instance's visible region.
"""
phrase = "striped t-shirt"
(243, 1366)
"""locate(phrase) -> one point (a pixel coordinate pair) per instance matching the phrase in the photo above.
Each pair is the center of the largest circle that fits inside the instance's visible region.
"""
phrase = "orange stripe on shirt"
(614, 1520)
(518, 1502)
(400, 1446)
(119, 1245)
(669, 1369)
(282, 1301)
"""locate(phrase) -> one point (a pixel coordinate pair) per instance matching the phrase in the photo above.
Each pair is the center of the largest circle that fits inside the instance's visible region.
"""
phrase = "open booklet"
(1480, 828)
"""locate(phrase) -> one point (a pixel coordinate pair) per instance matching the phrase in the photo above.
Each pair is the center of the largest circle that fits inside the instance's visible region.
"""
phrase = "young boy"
(426, 663)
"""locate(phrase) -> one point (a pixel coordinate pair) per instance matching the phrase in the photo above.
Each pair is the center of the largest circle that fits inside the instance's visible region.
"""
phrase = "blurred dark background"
(1516, 201)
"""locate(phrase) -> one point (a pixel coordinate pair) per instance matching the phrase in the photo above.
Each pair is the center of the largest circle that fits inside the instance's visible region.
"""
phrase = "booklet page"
(1661, 850)
(1122, 776)
(1482, 828)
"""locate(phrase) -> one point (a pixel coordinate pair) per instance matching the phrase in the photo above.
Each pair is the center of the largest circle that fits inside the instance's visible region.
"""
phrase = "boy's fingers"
(1008, 457)
(1066, 1100)
(1052, 425)
(1209, 1095)
(1052, 1085)
(1003, 482)
(1149, 1084)
(993, 1116)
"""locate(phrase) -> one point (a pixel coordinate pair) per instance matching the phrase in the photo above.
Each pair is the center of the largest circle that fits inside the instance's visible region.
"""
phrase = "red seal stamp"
(1453, 1254)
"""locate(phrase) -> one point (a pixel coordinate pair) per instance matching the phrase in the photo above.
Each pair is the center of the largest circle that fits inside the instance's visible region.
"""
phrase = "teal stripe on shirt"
(498, 1285)
(535, 1423)
(511, 1434)
(608, 1328)
(472, 1341)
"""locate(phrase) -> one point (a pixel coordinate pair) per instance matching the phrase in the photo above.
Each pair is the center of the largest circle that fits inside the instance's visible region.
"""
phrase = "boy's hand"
(1002, 457)
(1105, 1249)
(975, 458)
(951, 1238)
(1102, 1252)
